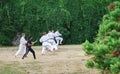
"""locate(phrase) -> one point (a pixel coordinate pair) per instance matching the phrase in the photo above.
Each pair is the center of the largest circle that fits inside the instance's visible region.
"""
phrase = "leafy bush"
(106, 47)
(90, 64)
(88, 47)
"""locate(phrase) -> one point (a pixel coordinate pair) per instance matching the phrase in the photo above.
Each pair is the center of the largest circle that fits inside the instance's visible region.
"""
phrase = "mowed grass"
(69, 59)
(10, 69)
(16, 68)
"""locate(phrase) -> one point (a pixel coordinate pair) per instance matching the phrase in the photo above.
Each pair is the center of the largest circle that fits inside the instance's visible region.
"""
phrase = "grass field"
(69, 59)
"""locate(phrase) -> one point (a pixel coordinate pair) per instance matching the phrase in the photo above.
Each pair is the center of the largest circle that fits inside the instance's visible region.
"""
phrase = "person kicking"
(45, 44)
(58, 37)
(51, 40)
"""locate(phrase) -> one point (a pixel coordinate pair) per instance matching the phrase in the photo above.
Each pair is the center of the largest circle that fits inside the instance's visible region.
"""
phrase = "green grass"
(9, 69)
(16, 68)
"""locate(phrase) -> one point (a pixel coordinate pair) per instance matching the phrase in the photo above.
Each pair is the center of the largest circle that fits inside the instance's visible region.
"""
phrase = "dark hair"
(29, 37)
(43, 33)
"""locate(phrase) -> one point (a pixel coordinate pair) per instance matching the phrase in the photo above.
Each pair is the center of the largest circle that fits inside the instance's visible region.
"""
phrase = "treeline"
(77, 20)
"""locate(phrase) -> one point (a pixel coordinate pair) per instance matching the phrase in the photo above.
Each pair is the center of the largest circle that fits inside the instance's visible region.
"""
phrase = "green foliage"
(88, 47)
(106, 42)
(90, 64)
(115, 13)
(76, 19)
(100, 50)
(115, 65)
(4, 39)
(114, 68)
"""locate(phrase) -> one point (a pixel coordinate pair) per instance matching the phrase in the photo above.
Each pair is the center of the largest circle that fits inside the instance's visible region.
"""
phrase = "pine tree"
(106, 47)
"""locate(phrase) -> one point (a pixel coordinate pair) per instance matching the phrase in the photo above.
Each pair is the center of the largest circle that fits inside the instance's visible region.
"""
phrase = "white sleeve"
(40, 39)
(59, 34)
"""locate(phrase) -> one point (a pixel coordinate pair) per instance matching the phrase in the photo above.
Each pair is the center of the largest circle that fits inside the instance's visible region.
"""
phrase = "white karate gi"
(58, 37)
(45, 44)
(22, 46)
(51, 40)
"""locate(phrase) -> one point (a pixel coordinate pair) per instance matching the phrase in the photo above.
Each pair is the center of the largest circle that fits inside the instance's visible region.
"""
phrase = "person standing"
(28, 48)
(22, 45)
(45, 43)
(58, 37)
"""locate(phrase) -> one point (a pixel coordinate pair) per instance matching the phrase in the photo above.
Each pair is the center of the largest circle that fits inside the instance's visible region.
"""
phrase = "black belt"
(50, 38)
(58, 36)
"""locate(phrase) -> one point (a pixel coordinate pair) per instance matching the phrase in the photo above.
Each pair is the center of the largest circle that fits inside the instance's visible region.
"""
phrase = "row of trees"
(77, 20)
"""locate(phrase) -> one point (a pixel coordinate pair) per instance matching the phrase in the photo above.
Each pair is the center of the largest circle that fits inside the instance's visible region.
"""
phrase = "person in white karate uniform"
(45, 44)
(58, 37)
(51, 40)
(22, 45)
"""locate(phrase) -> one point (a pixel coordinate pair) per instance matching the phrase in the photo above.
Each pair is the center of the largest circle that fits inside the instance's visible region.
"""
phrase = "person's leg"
(55, 47)
(43, 50)
(19, 50)
(57, 40)
(49, 46)
(33, 52)
(27, 51)
(61, 39)
(24, 49)
(53, 43)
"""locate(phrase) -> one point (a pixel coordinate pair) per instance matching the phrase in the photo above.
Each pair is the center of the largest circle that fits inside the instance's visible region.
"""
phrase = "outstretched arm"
(30, 44)
(34, 42)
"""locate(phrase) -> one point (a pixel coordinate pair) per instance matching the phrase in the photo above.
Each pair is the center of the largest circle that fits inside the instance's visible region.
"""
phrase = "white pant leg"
(55, 46)
(19, 50)
(57, 40)
(43, 50)
(46, 45)
(24, 49)
(61, 39)
(53, 43)
(49, 46)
